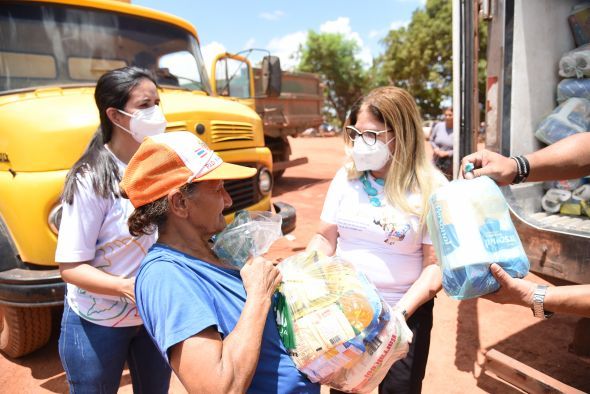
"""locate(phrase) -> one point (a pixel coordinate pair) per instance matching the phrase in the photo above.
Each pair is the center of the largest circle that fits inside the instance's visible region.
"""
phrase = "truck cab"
(288, 102)
(51, 54)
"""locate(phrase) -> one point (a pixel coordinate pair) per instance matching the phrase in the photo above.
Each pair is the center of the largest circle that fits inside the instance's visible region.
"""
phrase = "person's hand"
(512, 290)
(261, 277)
(128, 289)
(500, 168)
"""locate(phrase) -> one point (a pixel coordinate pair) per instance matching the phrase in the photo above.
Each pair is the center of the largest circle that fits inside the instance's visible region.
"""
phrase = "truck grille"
(231, 131)
(243, 192)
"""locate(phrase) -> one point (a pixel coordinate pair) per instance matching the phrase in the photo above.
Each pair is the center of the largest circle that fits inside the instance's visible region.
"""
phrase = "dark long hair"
(112, 90)
(150, 217)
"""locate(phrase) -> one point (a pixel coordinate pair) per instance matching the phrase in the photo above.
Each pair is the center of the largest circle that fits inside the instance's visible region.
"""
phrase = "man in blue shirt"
(210, 321)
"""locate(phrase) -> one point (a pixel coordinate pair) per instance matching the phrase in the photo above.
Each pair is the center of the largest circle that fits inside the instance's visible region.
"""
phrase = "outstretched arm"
(574, 299)
(566, 159)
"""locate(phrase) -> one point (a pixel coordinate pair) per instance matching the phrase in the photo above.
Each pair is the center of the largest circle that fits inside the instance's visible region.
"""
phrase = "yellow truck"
(51, 54)
(290, 105)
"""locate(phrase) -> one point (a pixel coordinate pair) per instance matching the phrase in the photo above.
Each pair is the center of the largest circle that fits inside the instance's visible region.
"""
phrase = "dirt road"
(460, 330)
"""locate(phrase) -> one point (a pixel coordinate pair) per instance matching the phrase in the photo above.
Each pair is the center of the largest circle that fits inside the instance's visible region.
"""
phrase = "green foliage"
(418, 58)
(333, 57)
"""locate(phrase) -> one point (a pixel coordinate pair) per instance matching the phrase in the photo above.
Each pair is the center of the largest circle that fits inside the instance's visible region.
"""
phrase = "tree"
(418, 58)
(332, 56)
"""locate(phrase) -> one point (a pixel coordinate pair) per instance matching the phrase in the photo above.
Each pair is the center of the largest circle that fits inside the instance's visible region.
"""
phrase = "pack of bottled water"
(470, 226)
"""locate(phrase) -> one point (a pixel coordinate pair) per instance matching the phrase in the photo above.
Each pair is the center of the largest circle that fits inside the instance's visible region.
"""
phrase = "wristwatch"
(538, 300)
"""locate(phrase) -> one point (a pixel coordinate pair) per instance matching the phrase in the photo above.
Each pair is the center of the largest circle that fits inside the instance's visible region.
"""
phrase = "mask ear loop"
(126, 113)
(118, 125)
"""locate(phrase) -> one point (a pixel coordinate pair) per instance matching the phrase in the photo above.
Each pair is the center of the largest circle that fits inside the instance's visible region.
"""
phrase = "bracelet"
(523, 168)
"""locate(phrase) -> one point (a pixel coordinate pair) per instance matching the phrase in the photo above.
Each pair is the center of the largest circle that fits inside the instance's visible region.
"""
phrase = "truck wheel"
(281, 150)
(279, 157)
(23, 330)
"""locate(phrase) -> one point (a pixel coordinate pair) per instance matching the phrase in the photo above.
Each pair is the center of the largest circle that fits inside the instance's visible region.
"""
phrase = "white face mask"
(370, 157)
(145, 123)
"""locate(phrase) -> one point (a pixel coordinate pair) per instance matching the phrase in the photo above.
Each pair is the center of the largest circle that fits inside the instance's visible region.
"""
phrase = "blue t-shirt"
(179, 296)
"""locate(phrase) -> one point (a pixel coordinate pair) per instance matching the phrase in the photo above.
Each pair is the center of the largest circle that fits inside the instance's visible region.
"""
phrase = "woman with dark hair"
(98, 258)
(374, 216)
(441, 140)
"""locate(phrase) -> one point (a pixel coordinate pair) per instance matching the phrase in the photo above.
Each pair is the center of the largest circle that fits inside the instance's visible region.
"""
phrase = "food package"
(570, 117)
(564, 184)
(470, 227)
(335, 325)
(250, 234)
(569, 88)
(573, 207)
(576, 63)
(553, 199)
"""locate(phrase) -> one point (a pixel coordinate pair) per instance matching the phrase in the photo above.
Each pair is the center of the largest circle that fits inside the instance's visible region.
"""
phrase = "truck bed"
(298, 108)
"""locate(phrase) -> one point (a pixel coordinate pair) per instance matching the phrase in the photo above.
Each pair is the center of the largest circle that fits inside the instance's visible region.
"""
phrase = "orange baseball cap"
(167, 161)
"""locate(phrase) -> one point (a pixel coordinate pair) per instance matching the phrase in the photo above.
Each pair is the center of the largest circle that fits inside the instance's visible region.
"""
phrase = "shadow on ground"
(542, 346)
(287, 184)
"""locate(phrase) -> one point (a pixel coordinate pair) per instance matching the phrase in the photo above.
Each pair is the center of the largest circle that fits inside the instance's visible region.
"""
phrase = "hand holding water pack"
(470, 227)
(250, 234)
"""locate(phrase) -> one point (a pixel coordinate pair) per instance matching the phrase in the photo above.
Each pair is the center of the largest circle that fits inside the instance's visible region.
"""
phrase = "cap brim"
(228, 171)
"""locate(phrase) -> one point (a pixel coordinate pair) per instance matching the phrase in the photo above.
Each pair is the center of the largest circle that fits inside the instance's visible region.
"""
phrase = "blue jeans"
(94, 356)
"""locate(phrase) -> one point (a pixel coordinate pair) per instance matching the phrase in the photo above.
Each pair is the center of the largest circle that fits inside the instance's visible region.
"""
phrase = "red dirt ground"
(462, 330)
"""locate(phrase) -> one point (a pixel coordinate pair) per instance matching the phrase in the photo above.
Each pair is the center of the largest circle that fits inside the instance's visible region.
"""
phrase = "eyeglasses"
(369, 136)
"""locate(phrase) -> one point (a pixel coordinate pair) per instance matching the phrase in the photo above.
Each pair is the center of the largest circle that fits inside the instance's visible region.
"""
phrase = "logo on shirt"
(395, 231)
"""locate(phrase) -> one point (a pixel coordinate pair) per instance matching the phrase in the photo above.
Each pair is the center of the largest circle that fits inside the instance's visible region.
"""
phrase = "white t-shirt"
(382, 242)
(95, 229)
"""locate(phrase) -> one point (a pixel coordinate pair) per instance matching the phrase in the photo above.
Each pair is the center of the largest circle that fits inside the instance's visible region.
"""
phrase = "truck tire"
(281, 150)
(23, 330)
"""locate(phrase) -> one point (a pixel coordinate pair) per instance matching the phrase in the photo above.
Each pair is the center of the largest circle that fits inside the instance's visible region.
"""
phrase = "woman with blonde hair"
(374, 217)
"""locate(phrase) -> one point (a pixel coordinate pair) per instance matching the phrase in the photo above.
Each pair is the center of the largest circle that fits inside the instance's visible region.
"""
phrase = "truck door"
(232, 77)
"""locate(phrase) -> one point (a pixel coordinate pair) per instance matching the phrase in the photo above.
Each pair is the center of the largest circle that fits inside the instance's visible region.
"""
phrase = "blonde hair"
(410, 170)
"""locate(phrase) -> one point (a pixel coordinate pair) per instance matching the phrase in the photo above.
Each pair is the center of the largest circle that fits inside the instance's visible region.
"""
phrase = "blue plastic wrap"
(470, 228)
(569, 88)
(570, 117)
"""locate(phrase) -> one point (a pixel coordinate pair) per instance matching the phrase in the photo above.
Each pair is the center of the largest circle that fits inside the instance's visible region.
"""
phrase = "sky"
(281, 26)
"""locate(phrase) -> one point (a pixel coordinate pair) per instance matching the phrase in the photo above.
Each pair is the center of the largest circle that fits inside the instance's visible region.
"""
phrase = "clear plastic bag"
(250, 234)
(575, 63)
(570, 117)
(470, 228)
(335, 325)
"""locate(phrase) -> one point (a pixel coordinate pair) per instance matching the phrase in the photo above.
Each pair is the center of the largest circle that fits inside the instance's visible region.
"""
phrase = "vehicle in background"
(51, 54)
(526, 39)
(288, 106)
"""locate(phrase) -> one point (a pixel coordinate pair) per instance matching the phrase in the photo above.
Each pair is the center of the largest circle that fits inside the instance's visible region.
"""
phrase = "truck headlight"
(264, 181)
(54, 218)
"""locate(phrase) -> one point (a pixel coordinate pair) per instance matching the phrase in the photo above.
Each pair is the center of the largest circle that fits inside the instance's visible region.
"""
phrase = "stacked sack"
(572, 116)
(470, 227)
(335, 325)
(569, 197)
